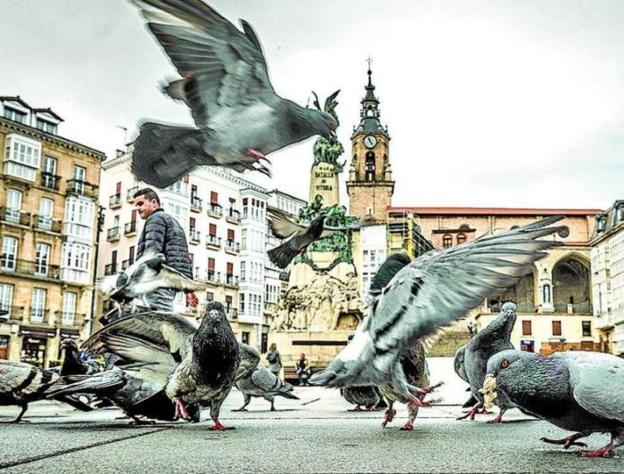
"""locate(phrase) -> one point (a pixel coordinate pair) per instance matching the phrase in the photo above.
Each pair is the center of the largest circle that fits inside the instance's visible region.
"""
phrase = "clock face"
(370, 141)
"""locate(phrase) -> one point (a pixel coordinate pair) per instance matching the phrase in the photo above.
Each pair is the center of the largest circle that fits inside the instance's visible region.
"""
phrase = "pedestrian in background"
(163, 234)
(274, 359)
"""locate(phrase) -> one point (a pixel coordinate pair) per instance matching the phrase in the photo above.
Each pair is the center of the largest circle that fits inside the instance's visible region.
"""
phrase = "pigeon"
(458, 365)
(238, 116)
(134, 389)
(191, 364)
(261, 382)
(297, 236)
(145, 275)
(576, 391)
(72, 363)
(368, 397)
(22, 383)
(434, 290)
(483, 345)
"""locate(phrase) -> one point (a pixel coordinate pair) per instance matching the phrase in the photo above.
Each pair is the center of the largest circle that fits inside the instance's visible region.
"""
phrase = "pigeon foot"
(181, 411)
(470, 414)
(604, 452)
(498, 419)
(219, 427)
(388, 417)
(568, 441)
(409, 426)
(239, 409)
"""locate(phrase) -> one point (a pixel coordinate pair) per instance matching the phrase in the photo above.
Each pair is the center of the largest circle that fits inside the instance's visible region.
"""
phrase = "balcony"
(110, 269)
(10, 264)
(577, 308)
(70, 318)
(212, 241)
(130, 193)
(82, 188)
(47, 223)
(113, 234)
(130, 228)
(213, 277)
(215, 210)
(38, 315)
(126, 263)
(196, 204)
(114, 201)
(15, 313)
(232, 247)
(193, 236)
(233, 216)
(50, 181)
(231, 280)
(14, 216)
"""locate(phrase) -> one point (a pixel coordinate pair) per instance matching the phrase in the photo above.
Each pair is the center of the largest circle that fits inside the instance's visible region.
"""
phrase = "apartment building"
(48, 231)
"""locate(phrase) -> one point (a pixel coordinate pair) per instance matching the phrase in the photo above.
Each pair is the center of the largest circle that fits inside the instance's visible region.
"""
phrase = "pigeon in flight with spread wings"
(238, 116)
(431, 292)
(298, 236)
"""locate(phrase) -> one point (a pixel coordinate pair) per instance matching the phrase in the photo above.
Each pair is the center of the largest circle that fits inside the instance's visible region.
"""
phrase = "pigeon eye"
(504, 364)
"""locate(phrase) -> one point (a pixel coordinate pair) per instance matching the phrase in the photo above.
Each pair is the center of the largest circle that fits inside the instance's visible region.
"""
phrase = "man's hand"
(192, 300)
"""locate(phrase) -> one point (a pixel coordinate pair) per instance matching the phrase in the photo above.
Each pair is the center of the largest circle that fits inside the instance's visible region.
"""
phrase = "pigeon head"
(506, 362)
(69, 344)
(500, 329)
(215, 311)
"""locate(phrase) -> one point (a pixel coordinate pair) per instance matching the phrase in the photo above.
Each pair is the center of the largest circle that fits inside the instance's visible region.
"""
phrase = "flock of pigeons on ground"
(160, 366)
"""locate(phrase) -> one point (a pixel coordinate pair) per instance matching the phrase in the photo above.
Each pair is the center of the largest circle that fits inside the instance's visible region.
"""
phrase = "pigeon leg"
(245, 403)
(18, 418)
(604, 452)
(413, 411)
(567, 442)
(426, 390)
(388, 415)
(272, 405)
(470, 414)
(181, 411)
(219, 427)
(257, 161)
(499, 418)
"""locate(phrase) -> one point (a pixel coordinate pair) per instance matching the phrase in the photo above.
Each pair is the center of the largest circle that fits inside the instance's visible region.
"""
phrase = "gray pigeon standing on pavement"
(238, 116)
(434, 290)
(495, 337)
(575, 391)
(458, 365)
(261, 382)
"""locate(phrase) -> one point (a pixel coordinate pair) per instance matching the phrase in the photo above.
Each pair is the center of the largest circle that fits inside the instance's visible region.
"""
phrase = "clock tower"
(370, 184)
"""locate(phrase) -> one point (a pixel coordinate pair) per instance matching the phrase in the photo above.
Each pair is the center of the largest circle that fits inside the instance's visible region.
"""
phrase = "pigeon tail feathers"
(283, 254)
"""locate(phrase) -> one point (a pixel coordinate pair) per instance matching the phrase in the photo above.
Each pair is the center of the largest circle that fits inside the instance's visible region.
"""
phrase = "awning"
(37, 332)
(70, 334)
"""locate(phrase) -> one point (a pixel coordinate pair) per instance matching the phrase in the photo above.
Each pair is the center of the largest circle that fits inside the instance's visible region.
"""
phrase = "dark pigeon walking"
(22, 383)
(72, 363)
(575, 391)
(495, 337)
(436, 289)
(298, 236)
(238, 116)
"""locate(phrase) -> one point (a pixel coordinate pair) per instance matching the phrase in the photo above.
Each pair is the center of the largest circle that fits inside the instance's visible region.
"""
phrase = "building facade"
(48, 230)
(607, 259)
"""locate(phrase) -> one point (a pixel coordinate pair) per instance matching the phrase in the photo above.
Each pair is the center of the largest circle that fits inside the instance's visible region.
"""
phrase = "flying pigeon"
(496, 337)
(22, 383)
(575, 391)
(192, 365)
(298, 236)
(436, 289)
(238, 116)
(145, 275)
(261, 382)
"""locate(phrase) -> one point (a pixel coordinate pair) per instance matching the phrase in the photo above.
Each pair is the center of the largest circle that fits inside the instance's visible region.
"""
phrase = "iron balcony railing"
(130, 193)
(70, 318)
(82, 188)
(130, 228)
(15, 313)
(15, 216)
(41, 269)
(213, 241)
(231, 280)
(193, 236)
(114, 201)
(38, 315)
(126, 263)
(110, 269)
(232, 246)
(47, 223)
(196, 204)
(215, 210)
(50, 181)
(233, 216)
(112, 234)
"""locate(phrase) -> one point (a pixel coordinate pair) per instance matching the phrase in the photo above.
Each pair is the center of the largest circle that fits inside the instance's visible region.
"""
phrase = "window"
(245, 337)
(15, 115)
(556, 328)
(6, 298)
(68, 314)
(9, 253)
(241, 303)
(48, 174)
(46, 211)
(230, 236)
(209, 296)
(228, 304)
(42, 259)
(75, 262)
(229, 269)
(214, 197)
(369, 166)
(79, 175)
(526, 328)
(14, 205)
(461, 238)
(447, 241)
(243, 270)
(37, 305)
(45, 126)
(212, 230)
(244, 239)
(79, 217)
(586, 328)
(22, 156)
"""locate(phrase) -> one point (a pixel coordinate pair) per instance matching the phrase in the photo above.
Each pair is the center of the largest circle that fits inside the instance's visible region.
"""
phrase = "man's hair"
(149, 193)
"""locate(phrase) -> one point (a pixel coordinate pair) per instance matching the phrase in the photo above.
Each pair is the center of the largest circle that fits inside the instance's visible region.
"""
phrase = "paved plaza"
(314, 434)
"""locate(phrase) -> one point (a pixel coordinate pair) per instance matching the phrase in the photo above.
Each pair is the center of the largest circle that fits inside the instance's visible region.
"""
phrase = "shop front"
(34, 344)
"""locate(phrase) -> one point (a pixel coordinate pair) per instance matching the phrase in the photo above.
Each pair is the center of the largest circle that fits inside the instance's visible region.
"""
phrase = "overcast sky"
(488, 103)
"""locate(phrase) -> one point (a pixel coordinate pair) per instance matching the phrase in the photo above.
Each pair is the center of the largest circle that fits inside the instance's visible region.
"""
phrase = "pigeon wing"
(282, 225)
(596, 381)
(220, 65)
(264, 379)
(431, 292)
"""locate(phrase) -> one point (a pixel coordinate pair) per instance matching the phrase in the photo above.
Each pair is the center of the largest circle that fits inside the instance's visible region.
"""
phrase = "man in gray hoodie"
(163, 234)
